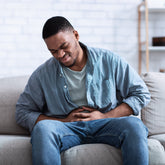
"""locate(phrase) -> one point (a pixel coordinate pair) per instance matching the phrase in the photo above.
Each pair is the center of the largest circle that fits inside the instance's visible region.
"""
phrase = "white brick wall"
(108, 24)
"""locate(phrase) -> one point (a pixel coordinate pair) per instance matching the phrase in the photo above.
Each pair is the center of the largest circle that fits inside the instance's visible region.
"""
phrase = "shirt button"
(65, 86)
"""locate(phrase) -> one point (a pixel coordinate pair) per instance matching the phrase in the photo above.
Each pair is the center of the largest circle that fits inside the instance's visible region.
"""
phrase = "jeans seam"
(108, 135)
(80, 136)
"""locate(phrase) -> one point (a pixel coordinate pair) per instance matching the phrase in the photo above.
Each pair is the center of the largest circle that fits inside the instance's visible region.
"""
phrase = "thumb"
(89, 109)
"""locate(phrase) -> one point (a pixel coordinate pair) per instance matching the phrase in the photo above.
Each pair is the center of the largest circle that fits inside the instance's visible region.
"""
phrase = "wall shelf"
(155, 48)
(154, 9)
(143, 46)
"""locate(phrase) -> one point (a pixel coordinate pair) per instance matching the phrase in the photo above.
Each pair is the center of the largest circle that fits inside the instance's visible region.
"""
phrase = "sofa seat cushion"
(15, 150)
(156, 152)
(153, 115)
(92, 154)
(160, 138)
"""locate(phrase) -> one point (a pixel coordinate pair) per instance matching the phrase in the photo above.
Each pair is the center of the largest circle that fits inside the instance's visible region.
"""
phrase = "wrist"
(109, 114)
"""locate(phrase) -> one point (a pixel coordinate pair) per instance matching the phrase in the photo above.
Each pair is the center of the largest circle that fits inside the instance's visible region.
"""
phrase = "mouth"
(64, 59)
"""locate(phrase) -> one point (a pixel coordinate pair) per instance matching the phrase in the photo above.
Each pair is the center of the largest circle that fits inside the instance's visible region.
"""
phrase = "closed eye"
(64, 46)
(54, 51)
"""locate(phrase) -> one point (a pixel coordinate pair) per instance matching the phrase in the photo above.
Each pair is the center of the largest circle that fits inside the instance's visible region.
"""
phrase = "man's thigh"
(65, 135)
(70, 134)
(112, 130)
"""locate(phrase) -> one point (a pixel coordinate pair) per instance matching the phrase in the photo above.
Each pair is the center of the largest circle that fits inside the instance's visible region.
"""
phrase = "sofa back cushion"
(10, 89)
(153, 115)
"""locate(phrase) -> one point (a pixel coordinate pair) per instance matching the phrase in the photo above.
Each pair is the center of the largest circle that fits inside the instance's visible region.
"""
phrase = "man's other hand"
(84, 114)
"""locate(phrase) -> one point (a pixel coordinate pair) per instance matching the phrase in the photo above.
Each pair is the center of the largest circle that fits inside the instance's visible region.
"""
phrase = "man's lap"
(106, 130)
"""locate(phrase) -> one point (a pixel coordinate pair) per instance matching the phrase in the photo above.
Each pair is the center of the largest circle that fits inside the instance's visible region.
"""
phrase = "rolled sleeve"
(30, 104)
(132, 88)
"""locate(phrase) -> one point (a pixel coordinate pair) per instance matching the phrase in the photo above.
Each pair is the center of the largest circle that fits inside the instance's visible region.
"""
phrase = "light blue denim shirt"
(110, 80)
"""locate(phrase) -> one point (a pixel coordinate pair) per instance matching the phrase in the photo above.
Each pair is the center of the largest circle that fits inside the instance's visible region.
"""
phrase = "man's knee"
(46, 128)
(135, 126)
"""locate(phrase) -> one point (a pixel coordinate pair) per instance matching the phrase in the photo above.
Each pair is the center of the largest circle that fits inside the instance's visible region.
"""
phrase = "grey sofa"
(15, 146)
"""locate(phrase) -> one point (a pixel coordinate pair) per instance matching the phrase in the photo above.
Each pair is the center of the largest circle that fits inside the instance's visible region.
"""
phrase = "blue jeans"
(50, 138)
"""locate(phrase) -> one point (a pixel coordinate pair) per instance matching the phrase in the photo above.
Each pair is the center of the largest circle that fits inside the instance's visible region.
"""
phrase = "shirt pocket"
(105, 93)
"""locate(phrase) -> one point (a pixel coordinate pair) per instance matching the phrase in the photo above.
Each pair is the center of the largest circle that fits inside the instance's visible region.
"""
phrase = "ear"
(76, 34)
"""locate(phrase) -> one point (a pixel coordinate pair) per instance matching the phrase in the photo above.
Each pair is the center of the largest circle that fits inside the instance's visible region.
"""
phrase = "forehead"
(56, 40)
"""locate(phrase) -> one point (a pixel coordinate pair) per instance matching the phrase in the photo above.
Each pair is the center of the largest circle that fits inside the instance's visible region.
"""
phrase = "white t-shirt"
(76, 85)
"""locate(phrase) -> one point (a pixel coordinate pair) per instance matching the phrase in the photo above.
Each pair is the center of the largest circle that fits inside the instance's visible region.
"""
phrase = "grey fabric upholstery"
(15, 147)
(10, 89)
(15, 150)
(92, 154)
(160, 138)
(153, 115)
(156, 152)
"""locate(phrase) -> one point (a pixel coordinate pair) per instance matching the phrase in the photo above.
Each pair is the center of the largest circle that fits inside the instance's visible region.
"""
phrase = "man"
(82, 95)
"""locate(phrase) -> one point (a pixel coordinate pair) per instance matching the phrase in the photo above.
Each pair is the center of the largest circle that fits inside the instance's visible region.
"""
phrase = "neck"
(80, 61)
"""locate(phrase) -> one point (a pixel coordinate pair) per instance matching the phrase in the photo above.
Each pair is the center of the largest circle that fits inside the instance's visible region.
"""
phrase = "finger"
(84, 119)
(89, 109)
(81, 115)
(80, 109)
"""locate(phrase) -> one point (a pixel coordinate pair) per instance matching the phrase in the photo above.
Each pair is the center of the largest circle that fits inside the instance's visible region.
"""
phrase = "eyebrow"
(59, 47)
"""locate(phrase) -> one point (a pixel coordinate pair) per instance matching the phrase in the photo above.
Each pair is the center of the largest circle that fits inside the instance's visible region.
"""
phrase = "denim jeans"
(51, 137)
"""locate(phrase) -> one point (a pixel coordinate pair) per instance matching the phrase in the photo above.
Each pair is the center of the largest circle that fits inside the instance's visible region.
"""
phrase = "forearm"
(70, 117)
(120, 111)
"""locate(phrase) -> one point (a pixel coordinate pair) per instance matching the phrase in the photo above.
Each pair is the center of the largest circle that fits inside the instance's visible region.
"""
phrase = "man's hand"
(79, 115)
(91, 114)
(122, 110)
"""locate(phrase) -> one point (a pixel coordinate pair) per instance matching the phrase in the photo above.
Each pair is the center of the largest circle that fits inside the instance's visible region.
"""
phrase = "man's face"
(64, 46)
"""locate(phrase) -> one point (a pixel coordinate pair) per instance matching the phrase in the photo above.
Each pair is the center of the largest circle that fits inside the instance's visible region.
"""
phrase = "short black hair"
(54, 25)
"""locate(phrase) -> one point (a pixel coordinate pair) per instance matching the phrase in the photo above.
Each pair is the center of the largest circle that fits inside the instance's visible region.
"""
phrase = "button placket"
(65, 86)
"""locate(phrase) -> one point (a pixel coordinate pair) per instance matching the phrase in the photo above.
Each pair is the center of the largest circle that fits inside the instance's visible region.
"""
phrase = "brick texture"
(108, 24)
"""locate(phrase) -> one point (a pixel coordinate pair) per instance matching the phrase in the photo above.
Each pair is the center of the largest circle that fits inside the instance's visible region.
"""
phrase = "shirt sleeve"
(130, 86)
(30, 103)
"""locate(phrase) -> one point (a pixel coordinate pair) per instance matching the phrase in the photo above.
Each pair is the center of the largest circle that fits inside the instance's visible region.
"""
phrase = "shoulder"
(99, 52)
(104, 55)
(50, 63)
(45, 70)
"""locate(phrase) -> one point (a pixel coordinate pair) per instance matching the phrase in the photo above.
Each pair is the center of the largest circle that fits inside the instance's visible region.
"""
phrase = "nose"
(61, 53)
